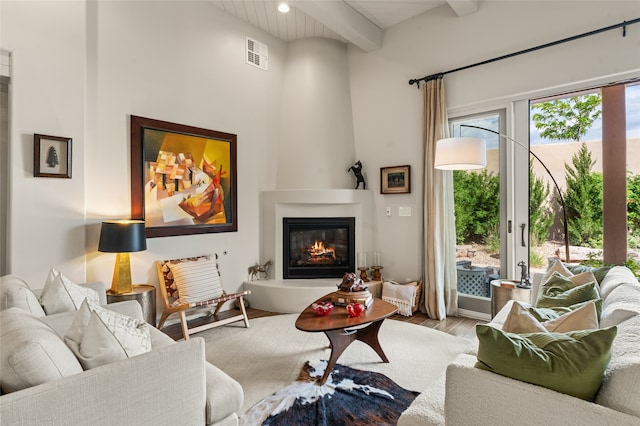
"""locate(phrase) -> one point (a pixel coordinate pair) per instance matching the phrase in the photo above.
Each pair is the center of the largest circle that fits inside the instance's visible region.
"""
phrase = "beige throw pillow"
(15, 292)
(60, 294)
(196, 280)
(99, 336)
(31, 353)
(521, 321)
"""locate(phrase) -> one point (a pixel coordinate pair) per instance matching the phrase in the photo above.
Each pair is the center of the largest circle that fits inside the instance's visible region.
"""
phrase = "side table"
(145, 294)
(501, 295)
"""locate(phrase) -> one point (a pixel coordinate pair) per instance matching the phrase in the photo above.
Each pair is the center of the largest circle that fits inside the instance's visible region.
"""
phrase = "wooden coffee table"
(342, 330)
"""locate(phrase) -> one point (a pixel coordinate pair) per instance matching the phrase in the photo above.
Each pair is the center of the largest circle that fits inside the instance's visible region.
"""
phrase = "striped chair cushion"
(196, 280)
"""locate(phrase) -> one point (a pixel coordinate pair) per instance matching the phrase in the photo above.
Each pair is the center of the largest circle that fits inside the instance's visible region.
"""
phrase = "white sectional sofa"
(466, 395)
(170, 385)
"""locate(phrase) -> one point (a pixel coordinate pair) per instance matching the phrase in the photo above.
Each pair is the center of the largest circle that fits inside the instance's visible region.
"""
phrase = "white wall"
(47, 215)
(175, 61)
(387, 110)
(81, 69)
(317, 145)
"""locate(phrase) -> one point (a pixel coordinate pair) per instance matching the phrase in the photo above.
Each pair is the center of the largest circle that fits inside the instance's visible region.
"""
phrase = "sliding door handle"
(522, 226)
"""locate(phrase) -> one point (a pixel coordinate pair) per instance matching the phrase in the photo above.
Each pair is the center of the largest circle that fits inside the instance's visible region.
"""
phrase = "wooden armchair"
(193, 284)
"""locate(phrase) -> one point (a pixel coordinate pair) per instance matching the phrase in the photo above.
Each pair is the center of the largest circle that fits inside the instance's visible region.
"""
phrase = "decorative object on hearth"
(352, 290)
(260, 272)
(362, 266)
(357, 172)
(322, 308)
(377, 275)
(465, 153)
(395, 180)
(51, 156)
(355, 309)
(122, 237)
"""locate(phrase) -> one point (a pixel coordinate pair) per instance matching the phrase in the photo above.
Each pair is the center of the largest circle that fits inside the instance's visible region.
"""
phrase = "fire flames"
(319, 252)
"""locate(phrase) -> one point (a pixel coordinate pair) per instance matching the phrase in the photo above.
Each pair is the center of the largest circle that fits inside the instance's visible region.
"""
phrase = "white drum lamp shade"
(461, 154)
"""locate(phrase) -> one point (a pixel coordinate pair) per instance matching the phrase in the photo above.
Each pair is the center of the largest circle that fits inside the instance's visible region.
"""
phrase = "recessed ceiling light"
(283, 7)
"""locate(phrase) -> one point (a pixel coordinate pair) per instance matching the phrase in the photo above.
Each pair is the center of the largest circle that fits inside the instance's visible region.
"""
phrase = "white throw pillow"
(15, 292)
(197, 280)
(521, 321)
(99, 336)
(31, 353)
(616, 276)
(622, 303)
(619, 390)
(60, 294)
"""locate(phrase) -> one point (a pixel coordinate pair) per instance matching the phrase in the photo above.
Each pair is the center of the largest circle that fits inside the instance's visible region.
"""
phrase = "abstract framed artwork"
(51, 156)
(183, 178)
(395, 180)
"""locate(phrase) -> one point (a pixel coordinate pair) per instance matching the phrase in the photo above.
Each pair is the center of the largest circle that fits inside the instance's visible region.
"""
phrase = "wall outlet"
(388, 211)
(404, 211)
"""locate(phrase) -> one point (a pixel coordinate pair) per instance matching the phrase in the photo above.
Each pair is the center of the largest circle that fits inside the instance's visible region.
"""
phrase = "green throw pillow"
(548, 314)
(559, 291)
(599, 272)
(557, 283)
(572, 363)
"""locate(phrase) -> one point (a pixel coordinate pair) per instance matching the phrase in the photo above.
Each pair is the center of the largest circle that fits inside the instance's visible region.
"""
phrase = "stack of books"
(343, 298)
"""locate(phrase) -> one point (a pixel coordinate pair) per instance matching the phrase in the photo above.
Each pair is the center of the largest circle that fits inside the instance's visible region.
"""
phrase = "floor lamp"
(465, 153)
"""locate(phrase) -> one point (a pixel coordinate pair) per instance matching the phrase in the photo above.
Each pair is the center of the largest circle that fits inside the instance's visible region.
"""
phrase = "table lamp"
(122, 237)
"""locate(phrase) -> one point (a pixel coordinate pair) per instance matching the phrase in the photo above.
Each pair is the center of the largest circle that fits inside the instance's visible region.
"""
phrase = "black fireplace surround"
(318, 247)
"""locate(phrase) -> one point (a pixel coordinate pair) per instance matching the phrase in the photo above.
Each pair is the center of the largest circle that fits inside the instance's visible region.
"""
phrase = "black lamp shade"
(122, 236)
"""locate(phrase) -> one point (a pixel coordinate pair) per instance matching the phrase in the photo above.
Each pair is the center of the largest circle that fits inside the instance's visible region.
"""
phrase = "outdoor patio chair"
(193, 284)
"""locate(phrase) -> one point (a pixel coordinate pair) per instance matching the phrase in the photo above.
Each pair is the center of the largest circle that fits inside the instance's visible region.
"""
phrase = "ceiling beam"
(464, 7)
(345, 21)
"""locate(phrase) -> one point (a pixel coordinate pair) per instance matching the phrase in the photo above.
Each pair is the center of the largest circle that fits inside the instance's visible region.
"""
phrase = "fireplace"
(318, 247)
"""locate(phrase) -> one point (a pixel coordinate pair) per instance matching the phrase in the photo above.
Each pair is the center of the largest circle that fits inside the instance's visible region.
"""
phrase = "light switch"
(404, 211)
(388, 211)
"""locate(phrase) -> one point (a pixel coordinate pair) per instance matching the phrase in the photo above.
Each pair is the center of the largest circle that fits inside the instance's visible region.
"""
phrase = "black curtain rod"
(622, 24)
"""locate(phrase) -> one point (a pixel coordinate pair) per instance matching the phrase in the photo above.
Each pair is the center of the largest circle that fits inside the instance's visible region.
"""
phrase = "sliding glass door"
(479, 210)
(590, 141)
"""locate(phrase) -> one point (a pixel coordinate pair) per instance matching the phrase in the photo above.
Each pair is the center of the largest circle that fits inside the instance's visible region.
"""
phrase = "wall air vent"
(257, 54)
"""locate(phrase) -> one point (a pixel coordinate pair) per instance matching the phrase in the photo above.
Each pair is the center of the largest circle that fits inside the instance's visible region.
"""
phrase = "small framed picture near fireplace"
(395, 180)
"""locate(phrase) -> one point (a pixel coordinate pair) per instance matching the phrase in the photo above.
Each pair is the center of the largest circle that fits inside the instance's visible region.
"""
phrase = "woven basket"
(416, 301)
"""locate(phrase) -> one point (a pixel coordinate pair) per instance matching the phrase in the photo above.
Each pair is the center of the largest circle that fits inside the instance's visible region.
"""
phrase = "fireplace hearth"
(318, 247)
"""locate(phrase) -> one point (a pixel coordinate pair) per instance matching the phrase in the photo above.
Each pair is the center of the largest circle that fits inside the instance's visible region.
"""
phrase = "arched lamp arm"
(564, 210)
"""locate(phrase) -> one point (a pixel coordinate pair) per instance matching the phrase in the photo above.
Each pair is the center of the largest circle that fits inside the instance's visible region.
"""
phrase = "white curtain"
(439, 263)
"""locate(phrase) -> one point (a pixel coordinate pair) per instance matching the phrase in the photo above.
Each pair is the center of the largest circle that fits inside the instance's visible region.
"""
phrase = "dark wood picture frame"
(395, 180)
(183, 178)
(51, 156)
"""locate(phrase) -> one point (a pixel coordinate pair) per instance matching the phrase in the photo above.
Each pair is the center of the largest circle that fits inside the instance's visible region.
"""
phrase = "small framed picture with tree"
(51, 156)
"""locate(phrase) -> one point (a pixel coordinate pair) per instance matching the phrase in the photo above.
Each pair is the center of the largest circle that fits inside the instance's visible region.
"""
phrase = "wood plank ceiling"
(361, 22)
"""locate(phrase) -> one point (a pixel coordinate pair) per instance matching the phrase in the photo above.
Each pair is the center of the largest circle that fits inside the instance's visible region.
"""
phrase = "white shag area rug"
(270, 354)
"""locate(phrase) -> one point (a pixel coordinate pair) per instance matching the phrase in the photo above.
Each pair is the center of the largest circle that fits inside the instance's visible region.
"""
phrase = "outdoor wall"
(388, 111)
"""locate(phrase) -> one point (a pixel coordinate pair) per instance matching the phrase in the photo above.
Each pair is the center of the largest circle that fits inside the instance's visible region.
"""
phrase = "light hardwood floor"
(457, 326)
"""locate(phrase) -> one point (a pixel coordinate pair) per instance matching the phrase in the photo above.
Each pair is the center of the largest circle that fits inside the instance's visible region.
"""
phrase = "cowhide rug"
(348, 397)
